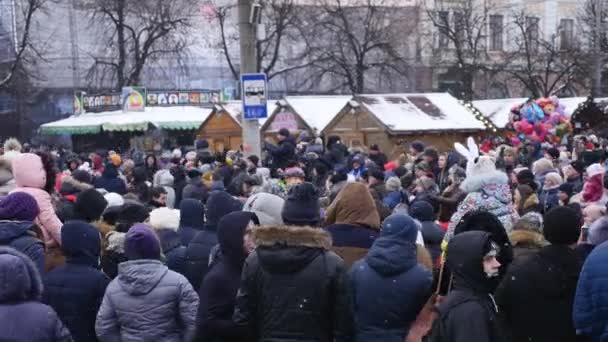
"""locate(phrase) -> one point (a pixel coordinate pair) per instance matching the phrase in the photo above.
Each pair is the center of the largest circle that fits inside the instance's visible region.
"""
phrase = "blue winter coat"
(110, 182)
(392, 199)
(190, 219)
(549, 199)
(21, 236)
(75, 289)
(591, 300)
(23, 317)
(388, 287)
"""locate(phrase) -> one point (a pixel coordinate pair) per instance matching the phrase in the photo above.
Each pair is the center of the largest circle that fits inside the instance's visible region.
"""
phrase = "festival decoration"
(542, 120)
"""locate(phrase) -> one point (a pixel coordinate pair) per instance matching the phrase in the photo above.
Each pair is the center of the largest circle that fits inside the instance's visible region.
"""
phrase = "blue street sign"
(254, 94)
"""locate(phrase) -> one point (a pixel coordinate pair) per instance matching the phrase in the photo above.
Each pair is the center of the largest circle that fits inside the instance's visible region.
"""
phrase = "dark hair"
(254, 159)
(48, 162)
(157, 191)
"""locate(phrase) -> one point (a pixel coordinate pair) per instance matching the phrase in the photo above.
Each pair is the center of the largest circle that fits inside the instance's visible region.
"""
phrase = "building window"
(566, 33)
(444, 26)
(532, 33)
(496, 27)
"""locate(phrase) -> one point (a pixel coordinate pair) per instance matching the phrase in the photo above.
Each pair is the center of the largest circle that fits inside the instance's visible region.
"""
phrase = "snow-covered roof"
(420, 112)
(498, 110)
(185, 117)
(317, 111)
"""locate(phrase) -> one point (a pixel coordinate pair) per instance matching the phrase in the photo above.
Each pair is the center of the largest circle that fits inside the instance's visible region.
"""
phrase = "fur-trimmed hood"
(527, 239)
(291, 236)
(116, 241)
(70, 186)
(288, 249)
(478, 182)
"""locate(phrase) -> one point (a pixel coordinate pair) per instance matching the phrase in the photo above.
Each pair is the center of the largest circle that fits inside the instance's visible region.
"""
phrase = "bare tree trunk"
(120, 34)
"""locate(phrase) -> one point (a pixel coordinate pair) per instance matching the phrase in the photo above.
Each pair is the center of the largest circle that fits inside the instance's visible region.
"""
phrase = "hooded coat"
(388, 286)
(75, 289)
(266, 207)
(147, 302)
(196, 189)
(173, 250)
(526, 243)
(21, 235)
(69, 190)
(489, 192)
(431, 232)
(191, 219)
(165, 179)
(591, 301)
(468, 313)
(23, 317)
(353, 222)
(7, 181)
(293, 288)
(536, 295)
(218, 290)
(110, 181)
(199, 249)
(30, 177)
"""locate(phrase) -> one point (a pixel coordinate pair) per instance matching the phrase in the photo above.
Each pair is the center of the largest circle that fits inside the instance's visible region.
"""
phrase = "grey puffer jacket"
(147, 302)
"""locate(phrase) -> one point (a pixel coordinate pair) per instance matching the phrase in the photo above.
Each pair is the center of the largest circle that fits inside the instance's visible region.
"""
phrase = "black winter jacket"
(293, 288)
(282, 153)
(468, 313)
(537, 294)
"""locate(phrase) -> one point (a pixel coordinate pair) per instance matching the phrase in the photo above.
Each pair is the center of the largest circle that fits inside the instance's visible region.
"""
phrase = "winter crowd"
(316, 242)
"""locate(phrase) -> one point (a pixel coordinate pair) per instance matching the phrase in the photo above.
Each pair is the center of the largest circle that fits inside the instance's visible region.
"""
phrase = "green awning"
(93, 129)
(125, 127)
(178, 125)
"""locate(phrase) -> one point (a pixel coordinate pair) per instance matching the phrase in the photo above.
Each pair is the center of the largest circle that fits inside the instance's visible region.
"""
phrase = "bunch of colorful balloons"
(542, 120)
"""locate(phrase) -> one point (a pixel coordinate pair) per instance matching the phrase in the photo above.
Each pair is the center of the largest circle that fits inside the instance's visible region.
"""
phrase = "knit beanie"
(294, 172)
(89, 205)
(142, 243)
(542, 165)
(417, 146)
(531, 221)
(567, 188)
(562, 226)
(553, 152)
(393, 184)
(526, 177)
(284, 132)
(302, 207)
(19, 206)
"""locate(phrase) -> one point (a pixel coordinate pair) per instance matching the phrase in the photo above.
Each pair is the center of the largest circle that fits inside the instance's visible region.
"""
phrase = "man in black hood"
(292, 285)
(469, 312)
(284, 151)
(220, 204)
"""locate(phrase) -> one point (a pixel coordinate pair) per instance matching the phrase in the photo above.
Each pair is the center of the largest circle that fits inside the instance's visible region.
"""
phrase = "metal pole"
(247, 33)
(597, 77)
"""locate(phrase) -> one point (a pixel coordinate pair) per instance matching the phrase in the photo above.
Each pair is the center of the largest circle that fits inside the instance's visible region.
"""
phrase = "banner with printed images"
(133, 99)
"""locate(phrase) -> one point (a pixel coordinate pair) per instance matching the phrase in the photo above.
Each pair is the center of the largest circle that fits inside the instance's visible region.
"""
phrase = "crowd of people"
(317, 241)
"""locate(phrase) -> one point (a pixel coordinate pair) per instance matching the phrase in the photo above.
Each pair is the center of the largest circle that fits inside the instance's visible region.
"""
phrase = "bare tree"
(461, 28)
(279, 30)
(543, 67)
(354, 44)
(24, 53)
(138, 33)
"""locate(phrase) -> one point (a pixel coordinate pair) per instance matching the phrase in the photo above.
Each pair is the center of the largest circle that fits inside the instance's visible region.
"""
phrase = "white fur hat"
(114, 199)
(164, 218)
(595, 169)
(177, 153)
(476, 165)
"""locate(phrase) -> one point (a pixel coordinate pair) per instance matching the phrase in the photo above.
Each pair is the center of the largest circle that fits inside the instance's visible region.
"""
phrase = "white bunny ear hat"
(476, 165)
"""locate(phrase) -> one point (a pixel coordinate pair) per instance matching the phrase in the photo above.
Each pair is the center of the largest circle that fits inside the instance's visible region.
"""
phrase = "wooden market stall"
(152, 130)
(222, 128)
(393, 120)
(303, 113)
(590, 115)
